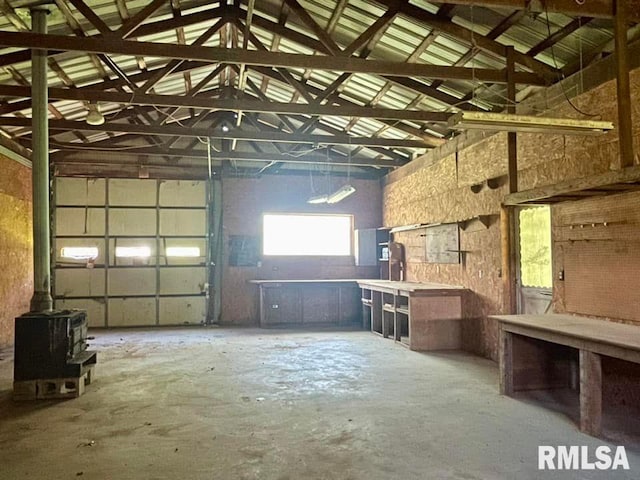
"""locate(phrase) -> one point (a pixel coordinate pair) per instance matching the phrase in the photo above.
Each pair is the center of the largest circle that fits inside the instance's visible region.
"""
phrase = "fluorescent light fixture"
(509, 122)
(340, 194)
(133, 252)
(94, 117)
(183, 251)
(318, 199)
(79, 253)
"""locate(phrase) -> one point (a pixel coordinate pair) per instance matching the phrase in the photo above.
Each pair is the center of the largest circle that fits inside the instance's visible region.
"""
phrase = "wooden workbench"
(308, 302)
(422, 316)
(526, 362)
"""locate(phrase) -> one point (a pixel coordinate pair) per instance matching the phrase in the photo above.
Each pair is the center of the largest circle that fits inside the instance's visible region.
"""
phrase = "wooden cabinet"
(371, 248)
(366, 247)
(309, 302)
(280, 306)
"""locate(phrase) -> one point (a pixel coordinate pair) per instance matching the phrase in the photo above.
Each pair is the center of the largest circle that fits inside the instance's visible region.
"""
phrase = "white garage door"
(131, 252)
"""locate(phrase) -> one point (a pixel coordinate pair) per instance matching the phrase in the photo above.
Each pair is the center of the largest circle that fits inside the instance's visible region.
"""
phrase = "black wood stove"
(51, 356)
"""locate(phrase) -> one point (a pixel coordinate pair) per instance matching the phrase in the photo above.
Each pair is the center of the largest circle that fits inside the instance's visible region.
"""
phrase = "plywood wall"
(436, 188)
(596, 252)
(244, 202)
(16, 265)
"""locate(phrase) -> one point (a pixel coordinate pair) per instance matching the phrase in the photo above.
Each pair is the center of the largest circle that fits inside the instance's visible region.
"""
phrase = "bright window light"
(535, 247)
(133, 252)
(183, 251)
(79, 253)
(307, 235)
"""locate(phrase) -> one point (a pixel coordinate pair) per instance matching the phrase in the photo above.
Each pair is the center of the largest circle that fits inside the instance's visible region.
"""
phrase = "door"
(534, 270)
(132, 252)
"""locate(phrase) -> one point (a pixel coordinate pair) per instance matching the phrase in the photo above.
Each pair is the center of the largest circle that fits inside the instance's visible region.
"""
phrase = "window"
(535, 247)
(133, 252)
(292, 234)
(79, 253)
(183, 251)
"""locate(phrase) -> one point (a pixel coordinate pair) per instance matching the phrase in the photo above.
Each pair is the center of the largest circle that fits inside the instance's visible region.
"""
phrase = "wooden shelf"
(608, 183)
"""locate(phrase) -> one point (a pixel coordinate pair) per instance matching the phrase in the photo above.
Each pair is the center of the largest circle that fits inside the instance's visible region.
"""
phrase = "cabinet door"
(320, 304)
(282, 306)
(366, 247)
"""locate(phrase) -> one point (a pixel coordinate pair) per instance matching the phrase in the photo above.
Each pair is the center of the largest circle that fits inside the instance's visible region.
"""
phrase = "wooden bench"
(527, 363)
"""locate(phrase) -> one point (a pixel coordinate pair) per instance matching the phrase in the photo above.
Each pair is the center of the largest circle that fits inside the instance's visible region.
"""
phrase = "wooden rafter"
(322, 35)
(597, 8)
(237, 134)
(231, 104)
(445, 25)
(250, 57)
(132, 24)
(332, 159)
(558, 35)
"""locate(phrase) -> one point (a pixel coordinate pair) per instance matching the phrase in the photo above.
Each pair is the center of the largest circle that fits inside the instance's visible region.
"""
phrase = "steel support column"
(41, 300)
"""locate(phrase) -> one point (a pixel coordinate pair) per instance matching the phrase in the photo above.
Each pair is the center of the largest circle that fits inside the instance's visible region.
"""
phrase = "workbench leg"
(261, 307)
(376, 312)
(396, 327)
(506, 362)
(590, 393)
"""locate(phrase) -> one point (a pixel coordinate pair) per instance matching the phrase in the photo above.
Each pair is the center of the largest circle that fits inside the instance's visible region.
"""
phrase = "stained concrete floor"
(272, 404)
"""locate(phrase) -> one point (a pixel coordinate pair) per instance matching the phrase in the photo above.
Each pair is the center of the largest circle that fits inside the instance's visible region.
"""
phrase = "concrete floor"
(272, 404)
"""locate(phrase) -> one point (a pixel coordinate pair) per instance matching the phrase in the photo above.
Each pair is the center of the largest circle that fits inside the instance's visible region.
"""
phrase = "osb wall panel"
(547, 159)
(439, 192)
(595, 244)
(245, 200)
(601, 266)
(16, 281)
(602, 279)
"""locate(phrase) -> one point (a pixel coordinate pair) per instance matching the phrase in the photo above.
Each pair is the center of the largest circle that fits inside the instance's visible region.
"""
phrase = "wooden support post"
(625, 134)
(590, 393)
(508, 241)
(506, 362)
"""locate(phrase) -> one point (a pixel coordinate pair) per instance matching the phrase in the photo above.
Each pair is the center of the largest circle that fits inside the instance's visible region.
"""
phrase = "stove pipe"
(41, 300)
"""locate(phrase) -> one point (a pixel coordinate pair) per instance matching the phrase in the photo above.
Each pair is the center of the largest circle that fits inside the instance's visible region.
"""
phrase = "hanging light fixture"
(340, 194)
(509, 122)
(317, 199)
(346, 190)
(94, 116)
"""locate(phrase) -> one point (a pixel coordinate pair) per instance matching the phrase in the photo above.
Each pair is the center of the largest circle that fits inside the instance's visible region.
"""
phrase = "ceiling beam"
(591, 8)
(69, 156)
(130, 168)
(134, 22)
(445, 26)
(229, 104)
(235, 134)
(251, 57)
(323, 36)
(558, 35)
(90, 15)
(151, 28)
